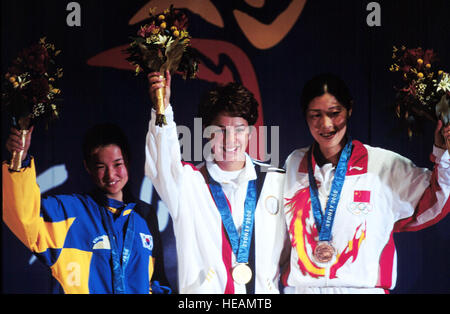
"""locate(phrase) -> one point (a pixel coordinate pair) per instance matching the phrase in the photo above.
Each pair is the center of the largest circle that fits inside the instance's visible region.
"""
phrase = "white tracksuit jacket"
(383, 193)
(205, 258)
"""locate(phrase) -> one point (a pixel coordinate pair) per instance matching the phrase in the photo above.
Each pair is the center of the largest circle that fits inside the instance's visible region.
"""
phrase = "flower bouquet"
(29, 90)
(425, 89)
(163, 44)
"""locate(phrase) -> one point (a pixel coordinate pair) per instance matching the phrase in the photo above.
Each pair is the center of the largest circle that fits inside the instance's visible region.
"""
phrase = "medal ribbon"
(325, 222)
(240, 245)
(118, 265)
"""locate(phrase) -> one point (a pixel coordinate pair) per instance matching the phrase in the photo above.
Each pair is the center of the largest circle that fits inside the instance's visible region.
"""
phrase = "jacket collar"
(357, 164)
(247, 174)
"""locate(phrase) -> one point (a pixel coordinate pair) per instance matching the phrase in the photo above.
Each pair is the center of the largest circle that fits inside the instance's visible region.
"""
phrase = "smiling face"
(327, 122)
(229, 141)
(108, 170)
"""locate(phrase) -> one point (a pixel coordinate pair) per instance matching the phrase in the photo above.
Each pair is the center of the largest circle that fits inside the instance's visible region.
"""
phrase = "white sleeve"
(427, 191)
(163, 160)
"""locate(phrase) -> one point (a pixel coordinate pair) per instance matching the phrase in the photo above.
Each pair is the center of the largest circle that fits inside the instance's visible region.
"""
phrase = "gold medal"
(324, 252)
(242, 273)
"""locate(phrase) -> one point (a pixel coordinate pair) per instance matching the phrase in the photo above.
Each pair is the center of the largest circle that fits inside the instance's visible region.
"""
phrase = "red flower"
(38, 90)
(34, 59)
(146, 30)
(181, 20)
(411, 55)
(429, 56)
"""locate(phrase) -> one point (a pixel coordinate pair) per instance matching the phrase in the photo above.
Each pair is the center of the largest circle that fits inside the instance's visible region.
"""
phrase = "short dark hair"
(232, 98)
(326, 83)
(102, 135)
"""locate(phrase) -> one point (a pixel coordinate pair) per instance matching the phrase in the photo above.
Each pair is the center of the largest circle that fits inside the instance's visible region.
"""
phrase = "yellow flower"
(420, 75)
(176, 33)
(428, 65)
(440, 72)
(15, 84)
(163, 25)
(161, 17)
(394, 68)
(184, 34)
(173, 28)
(419, 61)
(12, 79)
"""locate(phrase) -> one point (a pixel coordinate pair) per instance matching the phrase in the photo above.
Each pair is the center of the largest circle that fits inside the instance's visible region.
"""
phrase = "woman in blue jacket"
(104, 241)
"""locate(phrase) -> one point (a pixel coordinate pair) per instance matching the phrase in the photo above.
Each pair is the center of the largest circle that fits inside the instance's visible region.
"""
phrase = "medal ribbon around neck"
(324, 222)
(240, 245)
(119, 259)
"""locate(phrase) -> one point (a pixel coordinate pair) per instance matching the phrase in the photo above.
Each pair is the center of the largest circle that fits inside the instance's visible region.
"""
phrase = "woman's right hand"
(14, 142)
(156, 81)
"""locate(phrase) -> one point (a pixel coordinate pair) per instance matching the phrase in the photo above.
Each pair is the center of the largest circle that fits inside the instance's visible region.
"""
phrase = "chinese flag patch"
(361, 197)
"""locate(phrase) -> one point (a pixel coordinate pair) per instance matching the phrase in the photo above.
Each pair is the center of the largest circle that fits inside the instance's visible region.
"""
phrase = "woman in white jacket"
(228, 223)
(344, 199)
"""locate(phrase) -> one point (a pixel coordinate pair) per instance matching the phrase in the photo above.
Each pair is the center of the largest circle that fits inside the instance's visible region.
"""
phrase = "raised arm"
(22, 205)
(430, 204)
(162, 151)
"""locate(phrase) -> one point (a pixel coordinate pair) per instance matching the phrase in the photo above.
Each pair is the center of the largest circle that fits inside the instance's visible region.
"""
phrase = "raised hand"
(156, 81)
(14, 142)
(442, 136)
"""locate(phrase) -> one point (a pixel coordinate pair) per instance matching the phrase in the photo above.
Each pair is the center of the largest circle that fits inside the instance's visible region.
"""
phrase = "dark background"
(328, 36)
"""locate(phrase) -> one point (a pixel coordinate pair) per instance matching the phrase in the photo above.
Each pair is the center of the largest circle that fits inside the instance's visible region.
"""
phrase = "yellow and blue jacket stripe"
(67, 233)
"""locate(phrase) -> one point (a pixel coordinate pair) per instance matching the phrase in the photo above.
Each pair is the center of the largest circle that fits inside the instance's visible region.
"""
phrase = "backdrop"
(272, 47)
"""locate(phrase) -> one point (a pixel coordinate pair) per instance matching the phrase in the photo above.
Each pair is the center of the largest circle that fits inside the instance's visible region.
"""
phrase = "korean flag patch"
(147, 241)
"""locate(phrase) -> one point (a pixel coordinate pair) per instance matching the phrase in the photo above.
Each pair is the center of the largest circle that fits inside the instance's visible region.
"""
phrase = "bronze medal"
(242, 273)
(324, 252)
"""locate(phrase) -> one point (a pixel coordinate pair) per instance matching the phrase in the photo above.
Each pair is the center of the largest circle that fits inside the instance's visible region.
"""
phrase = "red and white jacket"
(204, 255)
(383, 193)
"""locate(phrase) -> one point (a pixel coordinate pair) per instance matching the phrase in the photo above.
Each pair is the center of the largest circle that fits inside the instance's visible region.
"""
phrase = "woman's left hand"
(442, 135)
